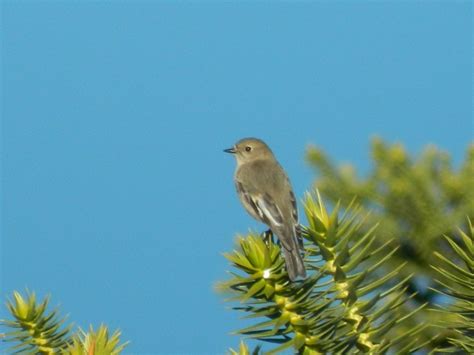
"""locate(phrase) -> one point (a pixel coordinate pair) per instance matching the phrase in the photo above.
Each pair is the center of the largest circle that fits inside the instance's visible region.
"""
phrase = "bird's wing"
(260, 206)
(294, 214)
(269, 210)
(294, 210)
(264, 208)
(273, 214)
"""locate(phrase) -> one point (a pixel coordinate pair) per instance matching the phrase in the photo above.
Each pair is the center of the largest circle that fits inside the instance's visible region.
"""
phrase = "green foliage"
(415, 201)
(96, 342)
(341, 306)
(244, 350)
(459, 315)
(37, 331)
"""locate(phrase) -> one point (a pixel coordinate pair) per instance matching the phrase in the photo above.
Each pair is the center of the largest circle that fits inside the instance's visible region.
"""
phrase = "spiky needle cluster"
(35, 330)
(456, 282)
(339, 307)
(416, 200)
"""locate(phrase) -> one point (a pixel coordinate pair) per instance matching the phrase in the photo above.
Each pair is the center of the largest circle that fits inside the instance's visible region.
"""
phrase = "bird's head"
(250, 149)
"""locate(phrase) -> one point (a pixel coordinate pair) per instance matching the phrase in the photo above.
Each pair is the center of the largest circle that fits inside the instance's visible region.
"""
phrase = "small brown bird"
(265, 191)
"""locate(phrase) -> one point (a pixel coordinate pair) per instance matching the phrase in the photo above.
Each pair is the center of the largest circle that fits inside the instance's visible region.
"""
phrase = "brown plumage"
(265, 191)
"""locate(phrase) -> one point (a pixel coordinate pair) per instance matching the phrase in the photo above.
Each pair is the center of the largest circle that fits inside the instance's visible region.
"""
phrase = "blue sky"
(116, 196)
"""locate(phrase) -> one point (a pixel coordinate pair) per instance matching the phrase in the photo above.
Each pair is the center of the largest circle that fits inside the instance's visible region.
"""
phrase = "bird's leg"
(268, 237)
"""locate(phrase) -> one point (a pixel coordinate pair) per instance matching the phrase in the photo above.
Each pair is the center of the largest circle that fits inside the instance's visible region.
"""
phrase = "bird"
(265, 192)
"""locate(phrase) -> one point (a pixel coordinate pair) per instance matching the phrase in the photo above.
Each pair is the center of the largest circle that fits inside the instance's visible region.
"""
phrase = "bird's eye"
(248, 148)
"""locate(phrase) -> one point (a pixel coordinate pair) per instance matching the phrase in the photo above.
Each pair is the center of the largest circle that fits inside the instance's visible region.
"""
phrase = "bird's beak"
(230, 150)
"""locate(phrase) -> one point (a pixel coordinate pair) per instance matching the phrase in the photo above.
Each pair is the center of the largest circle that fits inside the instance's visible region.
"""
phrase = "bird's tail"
(294, 263)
